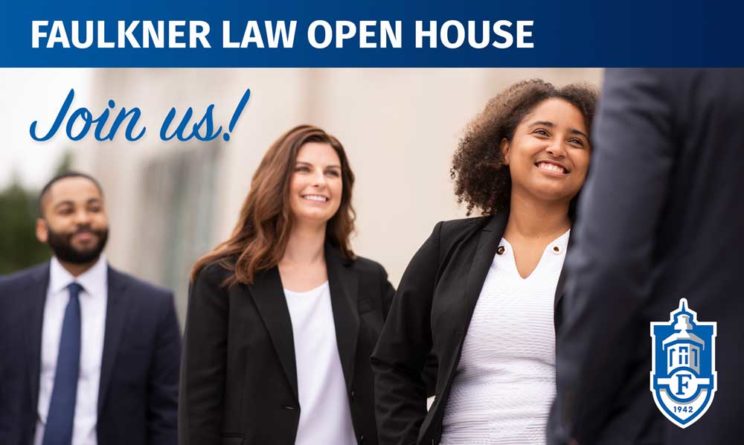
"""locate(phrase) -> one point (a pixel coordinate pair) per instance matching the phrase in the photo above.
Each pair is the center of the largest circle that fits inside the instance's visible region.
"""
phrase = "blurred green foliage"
(19, 247)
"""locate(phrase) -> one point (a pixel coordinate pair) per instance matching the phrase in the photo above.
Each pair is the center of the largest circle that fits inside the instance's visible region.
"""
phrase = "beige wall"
(399, 126)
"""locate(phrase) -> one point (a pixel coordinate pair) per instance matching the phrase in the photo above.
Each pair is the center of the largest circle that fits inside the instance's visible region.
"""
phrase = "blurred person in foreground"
(479, 295)
(283, 316)
(661, 219)
(88, 355)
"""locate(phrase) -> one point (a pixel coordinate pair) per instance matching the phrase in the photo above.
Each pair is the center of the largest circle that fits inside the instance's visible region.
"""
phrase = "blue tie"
(61, 416)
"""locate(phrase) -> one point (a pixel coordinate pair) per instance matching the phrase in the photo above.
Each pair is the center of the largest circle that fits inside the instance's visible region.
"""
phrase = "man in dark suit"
(88, 355)
(661, 218)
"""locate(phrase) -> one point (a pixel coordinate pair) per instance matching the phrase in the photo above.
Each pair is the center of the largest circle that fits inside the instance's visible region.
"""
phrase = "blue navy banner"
(365, 33)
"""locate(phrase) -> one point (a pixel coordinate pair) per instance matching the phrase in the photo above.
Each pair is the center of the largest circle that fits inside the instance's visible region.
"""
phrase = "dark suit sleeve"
(402, 350)
(204, 361)
(609, 264)
(163, 378)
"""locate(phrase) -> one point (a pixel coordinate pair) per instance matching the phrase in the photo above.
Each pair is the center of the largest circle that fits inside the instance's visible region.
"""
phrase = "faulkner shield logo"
(683, 374)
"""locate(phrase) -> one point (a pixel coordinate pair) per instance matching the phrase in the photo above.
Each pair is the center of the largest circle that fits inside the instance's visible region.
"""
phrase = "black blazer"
(661, 219)
(239, 379)
(429, 317)
(139, 369)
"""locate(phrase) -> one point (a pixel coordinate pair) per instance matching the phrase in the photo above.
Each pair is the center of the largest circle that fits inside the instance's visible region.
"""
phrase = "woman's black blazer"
(239, 379)
(428, 321)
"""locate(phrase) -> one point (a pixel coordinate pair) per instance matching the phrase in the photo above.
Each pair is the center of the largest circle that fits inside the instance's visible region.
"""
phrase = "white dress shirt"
(93, 300)
(325, 416)
(505, 380)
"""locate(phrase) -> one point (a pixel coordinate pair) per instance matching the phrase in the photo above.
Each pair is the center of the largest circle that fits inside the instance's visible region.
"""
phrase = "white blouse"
(325, 416)
(505, 380)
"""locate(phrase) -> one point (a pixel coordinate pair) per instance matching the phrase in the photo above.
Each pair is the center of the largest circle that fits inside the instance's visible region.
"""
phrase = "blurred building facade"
(170, 202)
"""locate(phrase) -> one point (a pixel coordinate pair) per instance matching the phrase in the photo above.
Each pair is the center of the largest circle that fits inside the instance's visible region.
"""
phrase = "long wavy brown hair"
(260, 236)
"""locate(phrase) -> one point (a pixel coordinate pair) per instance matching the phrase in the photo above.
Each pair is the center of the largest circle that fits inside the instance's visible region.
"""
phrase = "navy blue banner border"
(562, 33)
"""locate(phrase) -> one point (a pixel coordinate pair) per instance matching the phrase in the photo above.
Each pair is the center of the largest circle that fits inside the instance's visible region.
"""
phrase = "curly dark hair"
(481, 179)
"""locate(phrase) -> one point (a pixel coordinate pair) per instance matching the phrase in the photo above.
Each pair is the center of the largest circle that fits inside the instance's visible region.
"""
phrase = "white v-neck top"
(505, 380)
(325, 416)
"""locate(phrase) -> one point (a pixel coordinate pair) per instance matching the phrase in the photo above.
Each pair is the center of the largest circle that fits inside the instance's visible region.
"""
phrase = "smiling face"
(74, 221)
(316, 185)
(548, 156)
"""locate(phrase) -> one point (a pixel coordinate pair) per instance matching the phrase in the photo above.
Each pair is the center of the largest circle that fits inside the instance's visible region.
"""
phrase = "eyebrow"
(551, 125)
(63, 203)
(327, 166)
(69, 202)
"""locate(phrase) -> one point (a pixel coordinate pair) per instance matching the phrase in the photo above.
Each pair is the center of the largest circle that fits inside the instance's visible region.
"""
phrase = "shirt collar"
(94, 280)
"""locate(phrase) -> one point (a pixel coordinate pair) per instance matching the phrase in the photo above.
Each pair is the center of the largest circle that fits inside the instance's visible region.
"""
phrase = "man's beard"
(61, 245)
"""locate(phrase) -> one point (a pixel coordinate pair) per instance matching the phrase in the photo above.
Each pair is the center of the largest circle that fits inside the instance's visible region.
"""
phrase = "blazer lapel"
(560, 290)
(560, 287)
(343, 283)
(488, 242)
(37, 298)
(268, 294)
(116, 314)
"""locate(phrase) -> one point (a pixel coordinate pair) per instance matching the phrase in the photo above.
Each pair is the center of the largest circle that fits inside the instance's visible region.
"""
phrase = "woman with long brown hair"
(282, 315)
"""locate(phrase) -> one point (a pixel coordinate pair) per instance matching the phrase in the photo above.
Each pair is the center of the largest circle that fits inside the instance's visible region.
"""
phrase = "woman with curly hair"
(282, 316)
(478, 297)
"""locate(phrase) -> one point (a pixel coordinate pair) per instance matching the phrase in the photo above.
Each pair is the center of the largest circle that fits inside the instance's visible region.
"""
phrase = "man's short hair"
(54, 180)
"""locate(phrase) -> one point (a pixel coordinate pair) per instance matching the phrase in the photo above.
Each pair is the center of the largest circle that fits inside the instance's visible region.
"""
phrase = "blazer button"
(289, 407)
(361, 438)
(352, 394)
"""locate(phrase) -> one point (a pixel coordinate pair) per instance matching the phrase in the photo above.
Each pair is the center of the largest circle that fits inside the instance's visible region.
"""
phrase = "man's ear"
(42, 231)
(504, 147)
